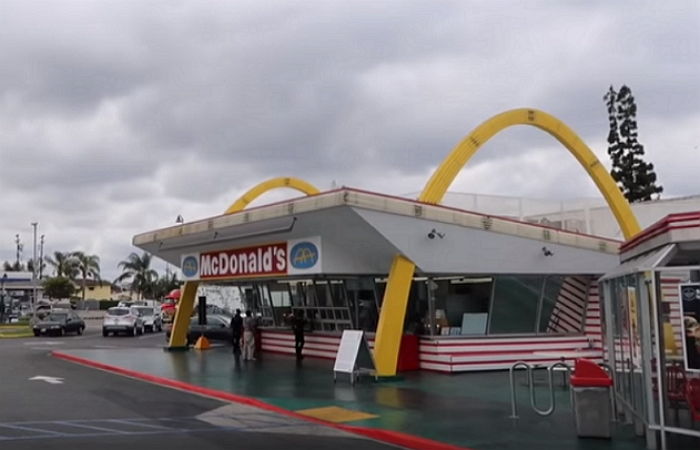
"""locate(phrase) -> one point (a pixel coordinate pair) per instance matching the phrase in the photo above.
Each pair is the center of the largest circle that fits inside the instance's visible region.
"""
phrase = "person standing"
(249, 325)
(236, 332)
(298, 326)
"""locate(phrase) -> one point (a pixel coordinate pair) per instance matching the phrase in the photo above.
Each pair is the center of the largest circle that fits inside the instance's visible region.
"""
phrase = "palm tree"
(64, 264)
(88, 266)
(138, 270)
(165, 284)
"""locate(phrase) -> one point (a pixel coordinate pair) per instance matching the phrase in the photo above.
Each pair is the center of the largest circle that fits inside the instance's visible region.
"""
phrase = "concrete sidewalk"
(465, 410)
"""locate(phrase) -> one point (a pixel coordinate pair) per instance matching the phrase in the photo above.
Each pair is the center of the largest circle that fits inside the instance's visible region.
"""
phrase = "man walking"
(236, 332)
(298, 325)
(249, 325)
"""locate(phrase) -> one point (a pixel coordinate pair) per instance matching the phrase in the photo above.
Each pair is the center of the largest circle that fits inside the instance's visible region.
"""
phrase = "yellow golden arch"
(391, 319)
(390, 326)
(178, 337)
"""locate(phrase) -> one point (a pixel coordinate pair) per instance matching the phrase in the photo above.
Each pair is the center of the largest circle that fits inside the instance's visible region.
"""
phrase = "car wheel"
(80, 330)
(36, 333)
(105, 333)
(134, 331)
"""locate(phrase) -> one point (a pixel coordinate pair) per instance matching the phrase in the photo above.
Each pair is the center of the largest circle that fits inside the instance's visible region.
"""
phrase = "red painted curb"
(388, 436)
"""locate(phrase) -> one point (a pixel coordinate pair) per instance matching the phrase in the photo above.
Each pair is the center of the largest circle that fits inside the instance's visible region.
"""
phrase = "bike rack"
(531, 387)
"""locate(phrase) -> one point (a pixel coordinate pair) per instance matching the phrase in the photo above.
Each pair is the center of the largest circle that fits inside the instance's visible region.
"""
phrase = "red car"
(167, 309)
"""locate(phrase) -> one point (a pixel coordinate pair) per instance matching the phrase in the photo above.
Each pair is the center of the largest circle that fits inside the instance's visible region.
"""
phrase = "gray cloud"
(115, 116)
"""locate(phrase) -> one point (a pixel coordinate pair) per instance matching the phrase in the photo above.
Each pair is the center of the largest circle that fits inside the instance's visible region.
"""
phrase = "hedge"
(106, 304)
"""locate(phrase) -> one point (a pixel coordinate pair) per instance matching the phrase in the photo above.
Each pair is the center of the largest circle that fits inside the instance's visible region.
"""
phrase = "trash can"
(591, 393)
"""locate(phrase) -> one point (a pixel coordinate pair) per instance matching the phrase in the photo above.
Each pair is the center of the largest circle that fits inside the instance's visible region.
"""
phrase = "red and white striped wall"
(593, 326)
(318, 345)
(464, 355)
(570, 306)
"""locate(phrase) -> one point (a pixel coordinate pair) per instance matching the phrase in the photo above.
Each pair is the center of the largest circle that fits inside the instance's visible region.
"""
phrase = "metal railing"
(531, 386)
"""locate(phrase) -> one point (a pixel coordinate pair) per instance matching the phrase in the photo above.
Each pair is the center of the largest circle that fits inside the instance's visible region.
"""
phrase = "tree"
(12, 267)
(137, 268)
(88, 266)
(165, 284)
(58, 287)
(64, 264)
(635, 177)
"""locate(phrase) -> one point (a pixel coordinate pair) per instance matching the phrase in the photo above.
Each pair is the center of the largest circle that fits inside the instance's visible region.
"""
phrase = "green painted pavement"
(462, 409)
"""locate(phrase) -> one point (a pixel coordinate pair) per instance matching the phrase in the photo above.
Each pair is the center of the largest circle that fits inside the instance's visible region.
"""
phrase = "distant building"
(18, 286)
(94, 289)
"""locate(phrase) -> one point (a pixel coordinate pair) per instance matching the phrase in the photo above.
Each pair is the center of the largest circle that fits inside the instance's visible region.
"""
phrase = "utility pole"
(41, 257)
(18, 243)
(34, 289)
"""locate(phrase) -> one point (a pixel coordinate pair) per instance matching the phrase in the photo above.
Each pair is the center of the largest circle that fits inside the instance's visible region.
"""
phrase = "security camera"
(434, 233)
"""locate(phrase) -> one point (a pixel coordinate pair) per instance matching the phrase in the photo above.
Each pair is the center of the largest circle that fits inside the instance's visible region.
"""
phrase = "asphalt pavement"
(48, 403)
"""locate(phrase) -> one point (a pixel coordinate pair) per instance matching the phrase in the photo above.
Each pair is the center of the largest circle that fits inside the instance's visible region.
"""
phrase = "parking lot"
(49, 403)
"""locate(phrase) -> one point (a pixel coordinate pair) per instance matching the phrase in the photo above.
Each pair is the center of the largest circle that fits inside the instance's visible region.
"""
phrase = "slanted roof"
(361, 232)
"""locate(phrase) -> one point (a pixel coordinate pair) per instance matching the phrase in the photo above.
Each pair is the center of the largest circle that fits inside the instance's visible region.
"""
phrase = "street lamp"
(2, 297)
(41, 257)
(34, 289)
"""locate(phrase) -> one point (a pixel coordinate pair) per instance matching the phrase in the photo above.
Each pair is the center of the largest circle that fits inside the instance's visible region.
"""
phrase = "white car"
(151, 318)
(122, 320)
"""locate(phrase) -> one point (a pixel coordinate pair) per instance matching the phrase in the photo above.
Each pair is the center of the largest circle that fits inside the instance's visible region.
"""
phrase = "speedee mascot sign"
(291, 257)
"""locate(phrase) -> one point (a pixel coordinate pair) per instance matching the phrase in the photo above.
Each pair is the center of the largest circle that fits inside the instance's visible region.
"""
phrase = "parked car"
(122, 320)
(151, 318)
(217, 328)
(59, 322)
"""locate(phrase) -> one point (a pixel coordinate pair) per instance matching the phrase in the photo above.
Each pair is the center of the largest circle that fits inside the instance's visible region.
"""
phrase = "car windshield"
(117, 311)
(211, 320)
(145, 311)
(55, 317)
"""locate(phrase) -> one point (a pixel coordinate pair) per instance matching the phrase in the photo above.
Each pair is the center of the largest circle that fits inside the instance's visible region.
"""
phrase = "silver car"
(122, 320)
(152, 320)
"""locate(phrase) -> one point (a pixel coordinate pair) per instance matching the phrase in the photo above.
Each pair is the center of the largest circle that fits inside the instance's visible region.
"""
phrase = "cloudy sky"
(117, 116)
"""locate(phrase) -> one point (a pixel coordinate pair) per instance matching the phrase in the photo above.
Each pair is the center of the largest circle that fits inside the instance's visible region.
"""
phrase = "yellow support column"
(387, 342)
(181, 323)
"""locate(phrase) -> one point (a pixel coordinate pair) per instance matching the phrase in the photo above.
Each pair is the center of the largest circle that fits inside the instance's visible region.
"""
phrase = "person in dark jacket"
(298, 326)
(237, 331)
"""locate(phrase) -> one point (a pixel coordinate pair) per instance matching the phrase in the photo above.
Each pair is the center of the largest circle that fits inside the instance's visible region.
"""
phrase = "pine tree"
(635, 177)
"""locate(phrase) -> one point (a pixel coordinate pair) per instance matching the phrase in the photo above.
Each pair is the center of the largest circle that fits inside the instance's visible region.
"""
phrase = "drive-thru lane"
(48, 403)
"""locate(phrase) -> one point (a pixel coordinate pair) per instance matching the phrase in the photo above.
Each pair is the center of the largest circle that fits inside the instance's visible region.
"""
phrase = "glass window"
(515, 304)
(117, 312)
(462, 305)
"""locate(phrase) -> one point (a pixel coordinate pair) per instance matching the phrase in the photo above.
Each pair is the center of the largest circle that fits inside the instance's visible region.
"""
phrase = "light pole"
(41, 257)
(2, 297)
(34, 290)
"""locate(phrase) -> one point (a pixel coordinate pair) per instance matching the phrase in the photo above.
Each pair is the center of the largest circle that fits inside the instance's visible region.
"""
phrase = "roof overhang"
(362, 231)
